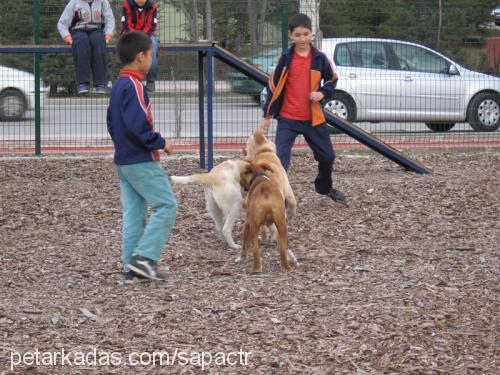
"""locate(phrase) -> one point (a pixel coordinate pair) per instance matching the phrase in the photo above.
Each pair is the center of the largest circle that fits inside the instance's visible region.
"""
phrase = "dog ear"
(246, 174)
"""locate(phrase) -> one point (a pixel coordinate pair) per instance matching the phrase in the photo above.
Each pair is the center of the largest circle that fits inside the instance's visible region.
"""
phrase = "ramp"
(333, 120)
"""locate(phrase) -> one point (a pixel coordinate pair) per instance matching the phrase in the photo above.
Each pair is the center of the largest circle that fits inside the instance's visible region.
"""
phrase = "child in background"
(141, 15)
(87, 25)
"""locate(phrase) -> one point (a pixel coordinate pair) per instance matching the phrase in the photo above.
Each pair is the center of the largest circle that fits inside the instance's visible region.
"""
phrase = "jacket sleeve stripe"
(139, 90)
(279, 89)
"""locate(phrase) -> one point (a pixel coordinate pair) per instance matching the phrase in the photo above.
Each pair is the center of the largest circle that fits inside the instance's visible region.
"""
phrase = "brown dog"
(262, 151)
(265, 206)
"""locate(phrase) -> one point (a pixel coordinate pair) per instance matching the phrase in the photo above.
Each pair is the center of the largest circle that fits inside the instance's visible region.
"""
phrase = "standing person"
(295, 93)
(87, 25)
(141, 15)
(143, 182)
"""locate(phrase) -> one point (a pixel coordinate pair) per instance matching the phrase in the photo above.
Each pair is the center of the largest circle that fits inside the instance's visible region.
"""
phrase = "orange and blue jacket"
(321, 70)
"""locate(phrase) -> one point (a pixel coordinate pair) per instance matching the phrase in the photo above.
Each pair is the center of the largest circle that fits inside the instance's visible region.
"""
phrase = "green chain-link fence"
(406, 95)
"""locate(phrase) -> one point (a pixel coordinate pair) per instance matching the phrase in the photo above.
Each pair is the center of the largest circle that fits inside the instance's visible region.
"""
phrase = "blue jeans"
(144, 185)
(318, 139)
(153, 71)
(89, 54)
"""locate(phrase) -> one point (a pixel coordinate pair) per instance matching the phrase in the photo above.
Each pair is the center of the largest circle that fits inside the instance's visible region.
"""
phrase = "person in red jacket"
(142, 15)
(303, 77)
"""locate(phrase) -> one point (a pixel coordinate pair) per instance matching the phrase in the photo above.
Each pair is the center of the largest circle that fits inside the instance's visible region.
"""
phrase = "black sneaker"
(145, 267)
(336, 195)
(131, 275)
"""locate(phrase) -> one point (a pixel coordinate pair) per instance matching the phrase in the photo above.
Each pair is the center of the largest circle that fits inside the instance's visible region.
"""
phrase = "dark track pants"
(318, 139)
(89, 54)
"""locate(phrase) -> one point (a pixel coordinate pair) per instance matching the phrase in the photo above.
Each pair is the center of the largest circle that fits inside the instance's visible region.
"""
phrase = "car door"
(367, 72)
(428, 91)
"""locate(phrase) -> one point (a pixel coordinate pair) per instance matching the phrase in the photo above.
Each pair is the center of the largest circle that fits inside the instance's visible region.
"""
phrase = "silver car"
(17, 93)
(392, 80)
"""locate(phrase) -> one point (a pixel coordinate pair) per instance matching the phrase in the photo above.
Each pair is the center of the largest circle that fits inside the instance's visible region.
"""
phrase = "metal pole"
(284, 26)
(201, 108)
(36, 55)
(210, 91)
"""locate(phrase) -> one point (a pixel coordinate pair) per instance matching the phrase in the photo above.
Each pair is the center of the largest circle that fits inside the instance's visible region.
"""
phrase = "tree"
(235, 24)
(421, 21)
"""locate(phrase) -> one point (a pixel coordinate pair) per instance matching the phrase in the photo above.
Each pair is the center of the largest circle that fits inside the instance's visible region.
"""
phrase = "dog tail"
(204, 179)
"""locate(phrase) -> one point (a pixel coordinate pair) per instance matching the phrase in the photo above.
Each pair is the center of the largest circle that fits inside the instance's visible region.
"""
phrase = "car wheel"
(437, 127)
(12, 105)
(483, 113)
(343, 106)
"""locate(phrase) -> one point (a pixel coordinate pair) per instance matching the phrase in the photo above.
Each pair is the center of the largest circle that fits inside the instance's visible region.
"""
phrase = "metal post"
(210, 91)
(284, 26)
(201, 108)
(36, 55)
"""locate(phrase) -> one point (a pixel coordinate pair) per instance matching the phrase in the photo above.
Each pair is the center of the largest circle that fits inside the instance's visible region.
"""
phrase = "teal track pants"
(143, 186)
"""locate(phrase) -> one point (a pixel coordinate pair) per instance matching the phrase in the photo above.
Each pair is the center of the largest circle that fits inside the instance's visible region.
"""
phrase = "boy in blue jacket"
(294, 97)
(143, 182)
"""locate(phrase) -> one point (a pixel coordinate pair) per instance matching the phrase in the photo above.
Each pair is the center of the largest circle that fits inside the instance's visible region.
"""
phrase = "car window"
(362, 55)
(342, 57)
(418, 59)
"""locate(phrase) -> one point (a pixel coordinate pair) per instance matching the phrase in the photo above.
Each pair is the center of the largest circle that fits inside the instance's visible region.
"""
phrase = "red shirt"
(296, 103)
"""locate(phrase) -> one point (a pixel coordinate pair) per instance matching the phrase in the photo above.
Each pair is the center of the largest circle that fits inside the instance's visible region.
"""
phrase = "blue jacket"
(321, 69)
(130, 121)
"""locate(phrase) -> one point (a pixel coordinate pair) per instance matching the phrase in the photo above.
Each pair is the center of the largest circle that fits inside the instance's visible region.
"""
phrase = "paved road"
(73, 118)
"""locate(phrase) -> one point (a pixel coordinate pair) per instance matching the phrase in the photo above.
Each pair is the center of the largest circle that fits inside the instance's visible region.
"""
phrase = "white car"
(393, 80)
(17, 93)
(496, 15)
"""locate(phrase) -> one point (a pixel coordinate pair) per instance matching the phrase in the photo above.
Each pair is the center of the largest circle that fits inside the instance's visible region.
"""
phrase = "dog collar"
(257, 175)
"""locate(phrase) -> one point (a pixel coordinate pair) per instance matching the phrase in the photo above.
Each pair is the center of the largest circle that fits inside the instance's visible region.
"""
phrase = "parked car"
(496, 15)
(394, 80)
(17, 93)
(265, 61)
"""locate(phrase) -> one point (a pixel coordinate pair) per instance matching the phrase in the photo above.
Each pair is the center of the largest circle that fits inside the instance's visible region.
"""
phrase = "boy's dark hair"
(299, 20)
(131, 44)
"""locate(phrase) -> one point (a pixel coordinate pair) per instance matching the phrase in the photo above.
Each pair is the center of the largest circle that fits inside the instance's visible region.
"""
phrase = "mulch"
(405, 280)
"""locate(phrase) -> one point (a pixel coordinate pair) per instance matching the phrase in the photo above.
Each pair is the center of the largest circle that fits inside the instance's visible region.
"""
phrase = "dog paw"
(235, 246)
(291, 258)
(238, 259)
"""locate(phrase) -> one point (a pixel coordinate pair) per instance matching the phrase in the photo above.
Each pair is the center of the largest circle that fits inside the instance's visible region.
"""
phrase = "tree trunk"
(194, 21)
(440, 14)
(208, 20)
(252, 21)
(262, 20)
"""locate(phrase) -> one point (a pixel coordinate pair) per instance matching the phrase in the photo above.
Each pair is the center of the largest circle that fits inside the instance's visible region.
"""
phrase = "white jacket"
(86, 15)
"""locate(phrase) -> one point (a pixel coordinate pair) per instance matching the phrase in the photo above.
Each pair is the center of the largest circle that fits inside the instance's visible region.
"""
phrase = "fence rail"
(467, 34)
